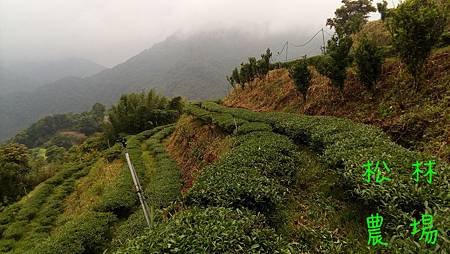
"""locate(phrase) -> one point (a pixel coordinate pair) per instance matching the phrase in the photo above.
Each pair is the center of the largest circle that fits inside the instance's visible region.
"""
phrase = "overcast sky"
(110, 31)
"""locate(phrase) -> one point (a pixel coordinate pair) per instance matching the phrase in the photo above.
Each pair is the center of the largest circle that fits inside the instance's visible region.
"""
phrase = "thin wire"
(306, 43)
(279, 52)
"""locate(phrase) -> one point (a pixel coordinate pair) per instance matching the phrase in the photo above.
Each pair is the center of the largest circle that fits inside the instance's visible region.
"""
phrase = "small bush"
(416, 26)
(338, 50)
(88, 233)
(301, 75)
(253, 126)
(369, 60)
(210, 230)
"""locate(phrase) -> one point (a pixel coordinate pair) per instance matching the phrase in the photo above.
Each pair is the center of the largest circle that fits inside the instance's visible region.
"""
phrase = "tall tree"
(338, 49)
(14, 167)
(383, 9)
(369, 60)
(350, 17)
(415, 26)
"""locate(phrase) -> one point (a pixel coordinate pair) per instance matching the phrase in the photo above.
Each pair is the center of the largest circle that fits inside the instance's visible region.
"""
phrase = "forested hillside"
(26, 76)
(194, 67)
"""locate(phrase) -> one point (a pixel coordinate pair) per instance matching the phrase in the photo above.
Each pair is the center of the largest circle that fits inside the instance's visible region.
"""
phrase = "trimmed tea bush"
(210, 230)
(88, 233)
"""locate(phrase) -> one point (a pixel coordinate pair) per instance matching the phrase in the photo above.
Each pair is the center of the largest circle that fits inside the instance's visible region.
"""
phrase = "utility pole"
(287, 47)
(323, 41)
(137, 185)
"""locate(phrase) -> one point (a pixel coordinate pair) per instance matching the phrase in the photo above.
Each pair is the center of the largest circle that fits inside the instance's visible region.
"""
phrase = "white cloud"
(110, 31)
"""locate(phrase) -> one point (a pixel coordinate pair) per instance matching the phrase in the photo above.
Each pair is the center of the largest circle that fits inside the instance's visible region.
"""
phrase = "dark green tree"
(14, 167)
(415, 26)
(338, 50)
(235, 76)
(264, 65)
(350, 17)
(98, 111)
(301, 75)
(383, 9)
(176, 104)
(137, 112)
(369, 60)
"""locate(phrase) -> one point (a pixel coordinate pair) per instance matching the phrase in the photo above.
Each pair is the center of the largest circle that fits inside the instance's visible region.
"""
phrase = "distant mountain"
(23, 76)
(194, 67)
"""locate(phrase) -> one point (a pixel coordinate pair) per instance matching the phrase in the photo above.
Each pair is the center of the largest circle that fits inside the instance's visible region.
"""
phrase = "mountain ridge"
(194, 66)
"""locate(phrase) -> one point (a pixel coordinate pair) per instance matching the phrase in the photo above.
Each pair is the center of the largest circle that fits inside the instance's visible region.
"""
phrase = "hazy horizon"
(110, 32)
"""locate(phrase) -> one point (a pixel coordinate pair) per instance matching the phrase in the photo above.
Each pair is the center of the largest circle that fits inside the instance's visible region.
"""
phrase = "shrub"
(88, 233)
(301, 75)
(383, 9)
(235, 188)
(210, 230)
(113, 153)
(137, 112)
(254, 175)
(346, 146)
(338, 49)
(253, 126)
(165, 183)
(415, 26)
(369, 60)
(29, 221)
(251, 70)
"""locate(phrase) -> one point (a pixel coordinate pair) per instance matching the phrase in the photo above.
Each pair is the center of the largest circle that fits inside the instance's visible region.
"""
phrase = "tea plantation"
(288, 184)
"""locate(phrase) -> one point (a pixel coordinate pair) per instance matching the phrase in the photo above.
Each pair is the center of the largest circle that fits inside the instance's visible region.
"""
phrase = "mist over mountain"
(193, 66)
(24, 76)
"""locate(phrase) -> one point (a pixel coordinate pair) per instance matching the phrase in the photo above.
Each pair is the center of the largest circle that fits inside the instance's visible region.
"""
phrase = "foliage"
(89, 233)
(226, 122)
(253, 126)
(415, 26)
(382, 9)
(210, 230)
(44, 129)
(301, 75)
(346, 146)
(14, 167)
(164, 185)
(176, 104)
(251, 70)
(137, 112)
(350, 17)
(30, 220)
(369, 60)
(55, 153)
(338, 50)
(253, 175)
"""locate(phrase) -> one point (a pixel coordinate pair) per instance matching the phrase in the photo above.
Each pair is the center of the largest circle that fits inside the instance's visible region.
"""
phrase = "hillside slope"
(261, 182)
(419, 120)
(194, 67)
(22, 77)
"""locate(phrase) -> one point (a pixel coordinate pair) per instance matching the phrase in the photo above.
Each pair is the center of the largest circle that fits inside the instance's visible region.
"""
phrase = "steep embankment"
(257, 183)
(195, 145)
(342, 147)
(415, 119)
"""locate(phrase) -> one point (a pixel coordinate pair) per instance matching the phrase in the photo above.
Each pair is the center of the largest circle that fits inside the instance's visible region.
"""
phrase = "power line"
(286, 45)
(306, 43)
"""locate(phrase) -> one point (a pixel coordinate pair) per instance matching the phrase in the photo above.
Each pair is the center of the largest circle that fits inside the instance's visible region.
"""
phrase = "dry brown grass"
(89, 188)
(416, 119)
(194, 145)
